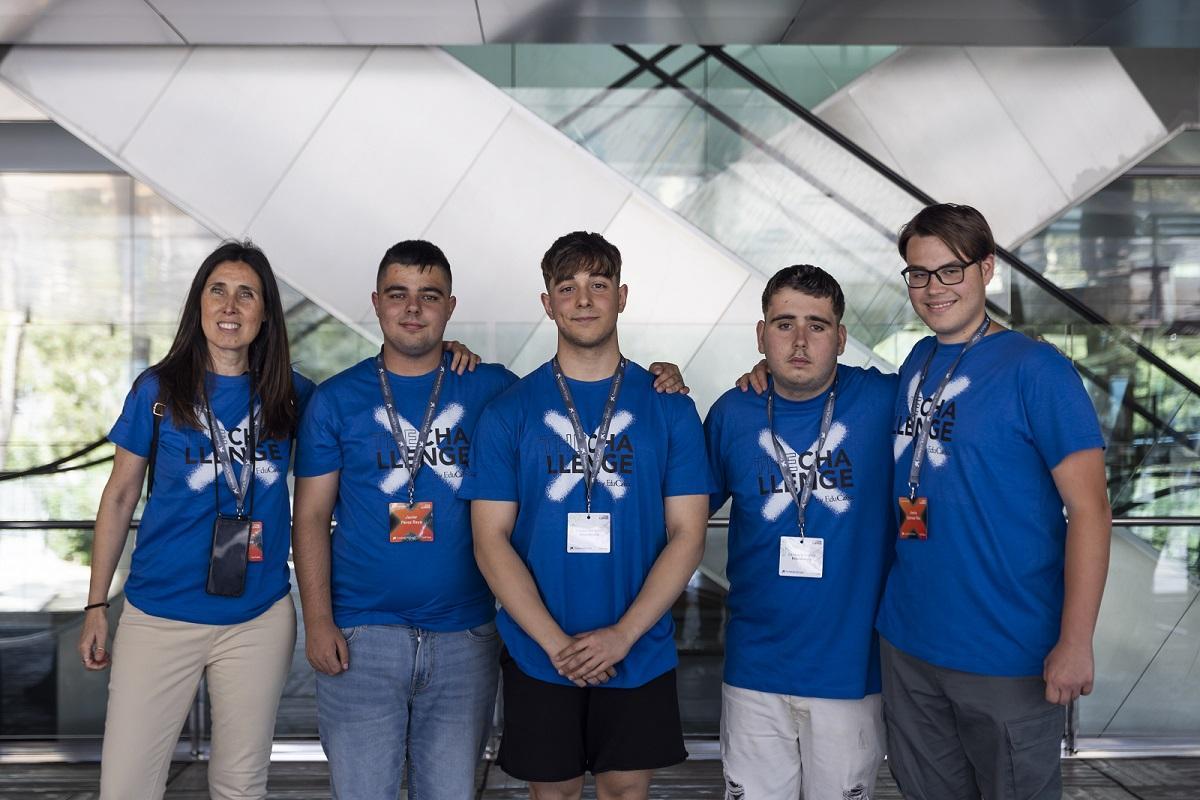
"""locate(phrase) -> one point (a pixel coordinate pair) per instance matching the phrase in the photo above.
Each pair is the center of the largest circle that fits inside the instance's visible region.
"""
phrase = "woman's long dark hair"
(182, 372)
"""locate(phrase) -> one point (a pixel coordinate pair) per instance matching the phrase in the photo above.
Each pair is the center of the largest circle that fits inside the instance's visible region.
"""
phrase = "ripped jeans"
(782, 747)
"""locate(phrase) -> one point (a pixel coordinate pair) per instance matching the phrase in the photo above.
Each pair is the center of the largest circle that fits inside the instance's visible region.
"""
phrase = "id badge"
(413, 524)
(588, 533)
(227, 561)
(913, 525)
(255, 552)
(801, 558)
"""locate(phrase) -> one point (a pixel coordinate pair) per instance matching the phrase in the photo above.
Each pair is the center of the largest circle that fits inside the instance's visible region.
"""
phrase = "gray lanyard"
(804, 493)
(412, 459)
(222, 457)
(922, 438)
(592, 458)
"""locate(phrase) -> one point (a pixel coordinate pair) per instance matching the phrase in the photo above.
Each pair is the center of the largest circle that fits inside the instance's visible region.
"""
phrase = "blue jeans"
(410, 696)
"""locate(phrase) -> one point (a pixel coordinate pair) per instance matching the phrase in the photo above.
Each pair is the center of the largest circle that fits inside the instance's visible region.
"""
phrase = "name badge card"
(255, 552)
(588, 533)
(801, 557)
(410, 523)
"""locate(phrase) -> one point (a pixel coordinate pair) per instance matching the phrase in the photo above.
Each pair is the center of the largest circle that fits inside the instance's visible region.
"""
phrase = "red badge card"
(413, 524)
(914, 511)
(254, 552)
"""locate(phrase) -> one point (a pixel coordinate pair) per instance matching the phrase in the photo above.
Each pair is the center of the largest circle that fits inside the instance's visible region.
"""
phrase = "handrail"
(1068, 299)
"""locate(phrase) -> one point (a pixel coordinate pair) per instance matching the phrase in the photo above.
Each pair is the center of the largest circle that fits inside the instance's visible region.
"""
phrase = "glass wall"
(94, 268)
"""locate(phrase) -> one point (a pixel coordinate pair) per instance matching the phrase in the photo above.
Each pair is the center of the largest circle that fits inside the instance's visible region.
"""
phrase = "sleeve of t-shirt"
(718, 481)
(318, 442)
(687, 458)
(493, 471)
(1061, 417)
(134, 429)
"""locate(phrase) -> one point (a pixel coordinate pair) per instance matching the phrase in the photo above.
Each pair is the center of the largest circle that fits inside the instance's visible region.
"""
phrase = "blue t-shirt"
(174, 540)
(522, 453)
(810, 637)
(374, 581)
(984, 592)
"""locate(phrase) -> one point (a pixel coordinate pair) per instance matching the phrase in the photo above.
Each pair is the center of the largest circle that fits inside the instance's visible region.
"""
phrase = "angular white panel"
(528, 187)
(1088, 123)
(676, 275)
(730, 348)
(232, 121)
(946, 128)
(1021, 133)
(14, 108)
(374, 172)
(99, 94)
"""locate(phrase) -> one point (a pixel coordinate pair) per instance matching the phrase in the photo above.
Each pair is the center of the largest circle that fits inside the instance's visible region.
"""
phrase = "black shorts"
(556, 733)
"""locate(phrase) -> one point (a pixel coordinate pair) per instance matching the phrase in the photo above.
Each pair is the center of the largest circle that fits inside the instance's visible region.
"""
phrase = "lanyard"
(413, 458)
(592, 457)
(222, 457)
(922, 438)
(804, 493)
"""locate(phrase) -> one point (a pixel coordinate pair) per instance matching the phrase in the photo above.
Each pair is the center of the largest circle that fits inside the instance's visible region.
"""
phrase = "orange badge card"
(913, 524)
(254, 552)
(410, 524)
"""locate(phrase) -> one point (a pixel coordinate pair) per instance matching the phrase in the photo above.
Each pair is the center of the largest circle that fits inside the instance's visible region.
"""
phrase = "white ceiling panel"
(98, 94)
(375, 174)
(228, 127)
(676, 275)
(15, 108)
(1088, 124)
(528, 187)
(1010, 184)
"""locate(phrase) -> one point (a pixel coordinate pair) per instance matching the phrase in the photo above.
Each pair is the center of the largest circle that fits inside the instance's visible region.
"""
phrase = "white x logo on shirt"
(451, 474)
(933, 449)
(831, 497)
(562, 484)
(200, 477)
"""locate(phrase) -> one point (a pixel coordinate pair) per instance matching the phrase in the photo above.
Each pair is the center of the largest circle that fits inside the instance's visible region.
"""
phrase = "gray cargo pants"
(961, 736)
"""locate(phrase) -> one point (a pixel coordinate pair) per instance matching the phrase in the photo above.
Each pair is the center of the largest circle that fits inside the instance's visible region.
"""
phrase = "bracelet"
(90, 606)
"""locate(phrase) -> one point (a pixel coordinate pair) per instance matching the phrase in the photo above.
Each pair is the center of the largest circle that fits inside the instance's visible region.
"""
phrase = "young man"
(399, 622)
(589, 509)
(989, 610)
(809, 469)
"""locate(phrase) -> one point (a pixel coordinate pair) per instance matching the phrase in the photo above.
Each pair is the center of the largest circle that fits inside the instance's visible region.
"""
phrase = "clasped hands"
(590, 659)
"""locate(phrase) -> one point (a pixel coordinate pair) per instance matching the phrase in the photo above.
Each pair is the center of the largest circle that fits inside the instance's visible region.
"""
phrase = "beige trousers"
(157, 664)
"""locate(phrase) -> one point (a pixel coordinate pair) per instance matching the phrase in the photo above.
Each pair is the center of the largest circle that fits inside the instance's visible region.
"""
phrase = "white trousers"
(782, 747)
(156, 669)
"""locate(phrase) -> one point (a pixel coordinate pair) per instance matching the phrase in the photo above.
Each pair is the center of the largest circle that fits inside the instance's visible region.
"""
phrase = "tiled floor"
(1100, 779)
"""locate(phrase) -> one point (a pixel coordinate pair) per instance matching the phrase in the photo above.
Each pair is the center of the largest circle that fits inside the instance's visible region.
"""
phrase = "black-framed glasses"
(918, 277)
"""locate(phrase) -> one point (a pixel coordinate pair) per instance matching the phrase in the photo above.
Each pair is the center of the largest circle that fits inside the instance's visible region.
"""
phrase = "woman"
(208, 589)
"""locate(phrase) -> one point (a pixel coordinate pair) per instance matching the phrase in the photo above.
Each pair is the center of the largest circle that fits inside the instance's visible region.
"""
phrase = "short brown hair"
(581, 251)
(809, 280)
(961, 228)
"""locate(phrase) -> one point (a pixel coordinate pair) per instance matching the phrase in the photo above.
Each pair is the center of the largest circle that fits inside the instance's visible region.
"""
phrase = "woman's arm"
(120, 497)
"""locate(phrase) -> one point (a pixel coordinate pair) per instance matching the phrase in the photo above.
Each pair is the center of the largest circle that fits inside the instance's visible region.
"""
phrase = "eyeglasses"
(918, 277)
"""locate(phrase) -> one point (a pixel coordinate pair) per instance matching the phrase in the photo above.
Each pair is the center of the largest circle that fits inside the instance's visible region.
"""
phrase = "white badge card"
(588, 533)
(801, 558)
